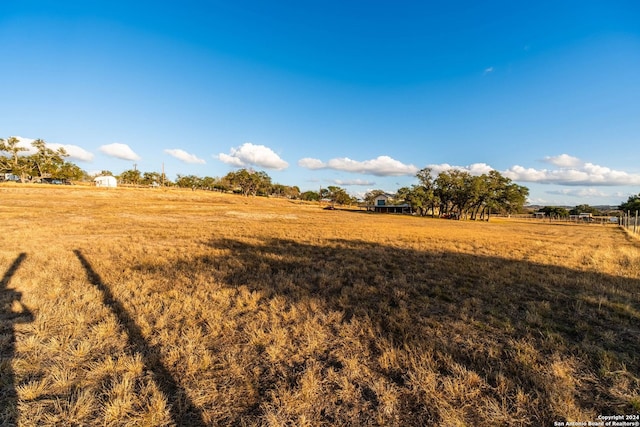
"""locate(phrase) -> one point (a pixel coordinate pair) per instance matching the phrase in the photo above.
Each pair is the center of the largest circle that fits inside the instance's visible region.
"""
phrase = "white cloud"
(380, 166)
(26, 143)
(249, 154)
(563, 161)
(583, 174)
(119, 151)
(184, 156)
(310, 163)
(353, 182)
(571, 171)
(74, 151)
(520, 173)
(488, 70)
(579, 192)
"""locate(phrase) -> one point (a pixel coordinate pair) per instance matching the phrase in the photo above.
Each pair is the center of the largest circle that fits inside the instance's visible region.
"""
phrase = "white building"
(105, 181)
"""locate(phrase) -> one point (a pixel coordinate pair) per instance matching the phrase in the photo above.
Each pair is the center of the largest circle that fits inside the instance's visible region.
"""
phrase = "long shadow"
(8, 318)
(183, 411)
(480, 311)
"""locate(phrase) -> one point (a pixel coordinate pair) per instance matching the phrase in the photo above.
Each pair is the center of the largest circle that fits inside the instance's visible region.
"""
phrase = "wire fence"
(629, 220)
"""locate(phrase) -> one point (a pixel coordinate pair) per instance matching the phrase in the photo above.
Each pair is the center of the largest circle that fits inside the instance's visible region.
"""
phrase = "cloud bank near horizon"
(249, 154)
(359, 182)
(569, 171)
(380, 166)
(562, 169)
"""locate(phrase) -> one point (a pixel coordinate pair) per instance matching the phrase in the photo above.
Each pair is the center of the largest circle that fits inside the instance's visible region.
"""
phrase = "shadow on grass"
(565, 339)
(8, 318)
(478, 310)
(183, 411)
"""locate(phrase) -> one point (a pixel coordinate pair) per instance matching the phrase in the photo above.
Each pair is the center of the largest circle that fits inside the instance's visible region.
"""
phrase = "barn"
(105, 181)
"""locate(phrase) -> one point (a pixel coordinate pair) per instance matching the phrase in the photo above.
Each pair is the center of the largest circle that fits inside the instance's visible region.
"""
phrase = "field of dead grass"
(150, 307)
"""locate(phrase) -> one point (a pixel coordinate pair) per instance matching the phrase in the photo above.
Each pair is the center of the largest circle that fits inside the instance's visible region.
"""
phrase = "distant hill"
(602, 208)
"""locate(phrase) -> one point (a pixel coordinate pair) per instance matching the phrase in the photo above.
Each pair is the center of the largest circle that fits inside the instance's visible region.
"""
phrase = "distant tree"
(459, 194)
(310, 196)
(339, 195)
(131, 176)
(208, 183)
(323, 193)
(292, 192)
(188, 181)
(71, 172)
(14, 162)
(250, 182)
(584, 209)
(280, 190)
(555, 211)
(151, 178)
(46, 162)
(454, 192)
(263, 183)
(105, 172)
(426, 194)
(416, 197)
(632, 204)
(514, 198)
(502, 195)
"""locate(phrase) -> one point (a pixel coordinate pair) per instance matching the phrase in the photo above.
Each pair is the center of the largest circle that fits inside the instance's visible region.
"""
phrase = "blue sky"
(359, 94)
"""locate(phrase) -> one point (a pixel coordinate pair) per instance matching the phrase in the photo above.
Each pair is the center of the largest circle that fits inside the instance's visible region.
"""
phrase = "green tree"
(188, 181)
(292, 192)
(513, 198)
(131, 176)
(555, 211)
(310, 196)
(500, 194)
(338, 195)
(14, 163)
(151, 178)
(632, 204)
(249, 182)
(584, 209)
(208, 183)
(46, 162)
(418, 198)
(453, 188)
(71, 172)
(426, 196)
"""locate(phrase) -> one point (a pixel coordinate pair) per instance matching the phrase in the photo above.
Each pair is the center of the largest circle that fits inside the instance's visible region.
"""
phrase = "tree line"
(458, 194)
(44, 164)
(631, 205)
(452, 193)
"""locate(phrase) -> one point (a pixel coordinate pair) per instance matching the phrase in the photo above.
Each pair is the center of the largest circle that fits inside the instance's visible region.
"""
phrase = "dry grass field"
(150, 307)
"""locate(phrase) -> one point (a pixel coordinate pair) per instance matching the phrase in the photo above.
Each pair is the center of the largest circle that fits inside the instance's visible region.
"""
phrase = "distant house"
(381, 205)
(105, 181)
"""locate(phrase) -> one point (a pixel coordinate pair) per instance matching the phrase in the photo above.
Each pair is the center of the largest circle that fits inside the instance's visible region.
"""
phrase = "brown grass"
(145, 307)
